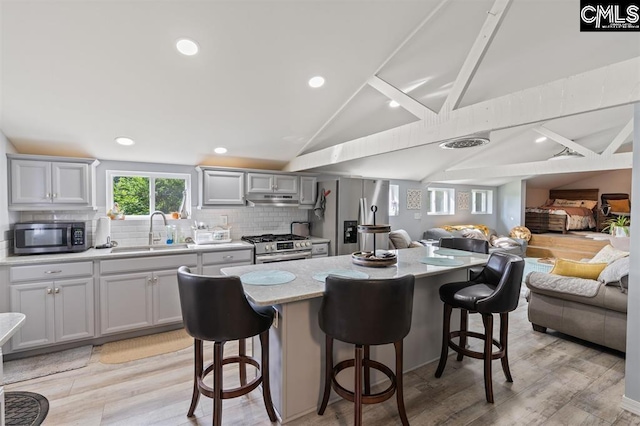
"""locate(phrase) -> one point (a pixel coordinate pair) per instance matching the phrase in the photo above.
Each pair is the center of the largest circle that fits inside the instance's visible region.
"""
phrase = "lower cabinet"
(214, 261)
(135, 300)
(57, 311)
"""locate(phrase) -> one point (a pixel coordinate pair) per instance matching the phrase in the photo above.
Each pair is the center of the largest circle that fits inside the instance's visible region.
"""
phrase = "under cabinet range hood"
(272, 200)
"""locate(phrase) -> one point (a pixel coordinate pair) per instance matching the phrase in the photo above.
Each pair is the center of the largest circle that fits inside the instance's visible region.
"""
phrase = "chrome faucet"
(164, 219)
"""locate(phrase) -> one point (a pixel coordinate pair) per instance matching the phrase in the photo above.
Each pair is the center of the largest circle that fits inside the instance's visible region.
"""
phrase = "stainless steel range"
(279, 248)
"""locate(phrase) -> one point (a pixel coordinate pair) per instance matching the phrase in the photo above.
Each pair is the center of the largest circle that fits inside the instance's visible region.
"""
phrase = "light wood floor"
(557, 380)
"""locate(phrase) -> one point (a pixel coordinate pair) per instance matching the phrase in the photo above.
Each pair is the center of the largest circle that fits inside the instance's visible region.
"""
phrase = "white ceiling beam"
(619, 139)
(605, 87)
(566, 142)
(405, 101)
(428, 18)
(572, 165)
(476, 54)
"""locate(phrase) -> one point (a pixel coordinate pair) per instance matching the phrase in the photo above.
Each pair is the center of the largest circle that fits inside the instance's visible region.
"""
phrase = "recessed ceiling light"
(316, 81)
(542, 139)
(220, 150)
(394, 104)
(187, 47)
(123, 140)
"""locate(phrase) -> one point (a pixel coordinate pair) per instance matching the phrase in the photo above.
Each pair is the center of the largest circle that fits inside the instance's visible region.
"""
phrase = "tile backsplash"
(242, 221)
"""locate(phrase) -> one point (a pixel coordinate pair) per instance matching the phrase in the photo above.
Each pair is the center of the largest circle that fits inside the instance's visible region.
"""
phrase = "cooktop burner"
(271, 238)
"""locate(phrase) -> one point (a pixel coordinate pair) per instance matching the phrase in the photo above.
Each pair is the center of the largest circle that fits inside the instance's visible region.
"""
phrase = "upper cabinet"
(308, 191)
(221, 187)
(51, 183)
(264, 183)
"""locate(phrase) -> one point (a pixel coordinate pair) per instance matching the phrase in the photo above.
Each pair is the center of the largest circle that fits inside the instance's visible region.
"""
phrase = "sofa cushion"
(572, 268)
(400, 239)
(436, 234)
(614, 271)
(608, 254)
(474, 234)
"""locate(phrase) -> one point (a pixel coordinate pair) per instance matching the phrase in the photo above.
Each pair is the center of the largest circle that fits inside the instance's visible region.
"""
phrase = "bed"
(571, 209)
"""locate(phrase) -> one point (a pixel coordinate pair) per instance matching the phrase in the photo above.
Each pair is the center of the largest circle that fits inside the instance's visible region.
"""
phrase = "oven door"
(283, 257)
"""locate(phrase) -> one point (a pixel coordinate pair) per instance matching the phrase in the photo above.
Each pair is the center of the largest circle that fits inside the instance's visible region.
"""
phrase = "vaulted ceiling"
(75, 75)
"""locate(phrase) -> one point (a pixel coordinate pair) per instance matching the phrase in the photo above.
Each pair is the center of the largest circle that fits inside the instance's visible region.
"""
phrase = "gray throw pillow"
(400, 239)
(435, 234)
(614, 271)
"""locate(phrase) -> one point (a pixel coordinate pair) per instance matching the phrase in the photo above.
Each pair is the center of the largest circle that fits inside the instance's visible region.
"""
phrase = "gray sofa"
(519, 248)
(601, 318)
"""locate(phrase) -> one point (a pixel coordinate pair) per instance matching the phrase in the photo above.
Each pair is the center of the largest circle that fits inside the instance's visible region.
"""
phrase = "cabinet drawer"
(51, 271)
(147, 263)
(320, 249)
(232, 256)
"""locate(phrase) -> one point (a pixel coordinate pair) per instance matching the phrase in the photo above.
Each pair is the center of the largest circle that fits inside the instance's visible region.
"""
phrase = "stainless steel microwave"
(49, 237)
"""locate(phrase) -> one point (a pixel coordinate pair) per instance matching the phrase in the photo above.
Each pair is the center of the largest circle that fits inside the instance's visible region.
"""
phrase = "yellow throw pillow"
(589, 204)
(619, 206)
(572, 268)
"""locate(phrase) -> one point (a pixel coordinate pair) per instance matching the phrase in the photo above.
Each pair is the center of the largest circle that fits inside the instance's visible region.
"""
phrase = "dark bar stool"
(495, 290)
(216, 309)
(365, 313)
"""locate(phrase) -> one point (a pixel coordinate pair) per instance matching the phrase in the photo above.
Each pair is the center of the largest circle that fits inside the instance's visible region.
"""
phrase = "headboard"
(574, 194)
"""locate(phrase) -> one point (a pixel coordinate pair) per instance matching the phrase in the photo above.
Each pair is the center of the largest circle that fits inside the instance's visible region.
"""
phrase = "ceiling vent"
(464, 143)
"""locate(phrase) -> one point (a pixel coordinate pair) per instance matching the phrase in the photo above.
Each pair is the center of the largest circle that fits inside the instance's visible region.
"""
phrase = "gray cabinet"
(214, 261)
(57, 310)
(140, 292)
(268, 183)
(37, 183)
(221, 187)
(308, 191)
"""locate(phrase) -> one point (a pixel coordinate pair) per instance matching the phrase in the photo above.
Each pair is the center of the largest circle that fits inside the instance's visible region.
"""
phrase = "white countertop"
(10, 322)
(101, 254)
(305, 287)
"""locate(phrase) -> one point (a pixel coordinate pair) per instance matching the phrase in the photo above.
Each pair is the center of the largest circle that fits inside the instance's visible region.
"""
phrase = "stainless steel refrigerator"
(347, 205)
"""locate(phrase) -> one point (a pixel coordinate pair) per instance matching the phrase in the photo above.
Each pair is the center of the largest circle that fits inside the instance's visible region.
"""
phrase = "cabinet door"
(307, 190)
(258, 182)
(74, 312)
(214, 270)
(125, 302)
(70, 183)
(283, 184)
(222, 187)
(166, 298)
(30, 182)
(36, 302)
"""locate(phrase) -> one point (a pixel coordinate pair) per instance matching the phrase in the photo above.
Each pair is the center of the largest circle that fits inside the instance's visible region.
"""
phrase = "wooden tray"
(359, 258)
(374, 229)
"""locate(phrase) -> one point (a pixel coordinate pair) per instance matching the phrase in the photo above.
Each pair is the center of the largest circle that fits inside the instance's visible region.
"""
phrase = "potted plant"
(617, 226)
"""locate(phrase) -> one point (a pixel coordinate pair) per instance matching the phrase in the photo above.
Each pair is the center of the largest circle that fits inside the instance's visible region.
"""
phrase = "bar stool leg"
(504, 329)
(197, 373)
(487, 319)
(464, 321)
(242, 351)
(446, 327)
(357, 421)
(328, 373)
(218, 355)
(399, 384)
(264, 370)
(367, 370)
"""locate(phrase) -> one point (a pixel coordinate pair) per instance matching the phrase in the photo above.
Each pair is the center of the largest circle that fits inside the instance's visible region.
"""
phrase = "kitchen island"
(297, 343)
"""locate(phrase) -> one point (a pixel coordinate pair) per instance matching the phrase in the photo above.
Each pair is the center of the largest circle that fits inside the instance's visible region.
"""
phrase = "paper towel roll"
(103, 232)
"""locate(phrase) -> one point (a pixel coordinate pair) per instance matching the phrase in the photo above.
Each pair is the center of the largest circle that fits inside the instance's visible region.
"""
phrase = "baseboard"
(630, 405)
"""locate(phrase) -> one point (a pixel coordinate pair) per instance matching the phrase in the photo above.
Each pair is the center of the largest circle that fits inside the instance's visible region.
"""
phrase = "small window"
(394, 200)
(481, 201)
(441, 201)
(141, 193)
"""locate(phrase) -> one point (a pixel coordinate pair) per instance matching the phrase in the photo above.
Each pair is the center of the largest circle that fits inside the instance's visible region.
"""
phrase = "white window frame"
(449, 201)
(487, 201)
(394, 190)
(111, 174)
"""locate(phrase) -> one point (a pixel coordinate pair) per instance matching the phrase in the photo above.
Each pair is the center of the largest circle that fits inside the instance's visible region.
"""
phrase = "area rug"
(143, 347)
(23, 369)
(25, 408)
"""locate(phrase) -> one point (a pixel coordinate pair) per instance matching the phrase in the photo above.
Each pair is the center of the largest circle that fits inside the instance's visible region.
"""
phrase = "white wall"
(406, 219)
(511, 203)
(536, 196)
(631, 398)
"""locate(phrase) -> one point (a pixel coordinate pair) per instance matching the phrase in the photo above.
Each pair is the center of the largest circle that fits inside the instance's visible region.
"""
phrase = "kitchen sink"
(138, 249)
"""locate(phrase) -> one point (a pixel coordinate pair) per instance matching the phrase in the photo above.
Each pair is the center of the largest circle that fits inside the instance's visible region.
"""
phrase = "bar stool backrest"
(216, 308)
(504, 272)
(367, 312)
(466, 244)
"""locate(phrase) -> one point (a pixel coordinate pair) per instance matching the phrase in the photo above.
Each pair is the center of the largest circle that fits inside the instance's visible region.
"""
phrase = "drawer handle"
(57, 290)
(228, 257)
(48, 291)
(57, 271)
